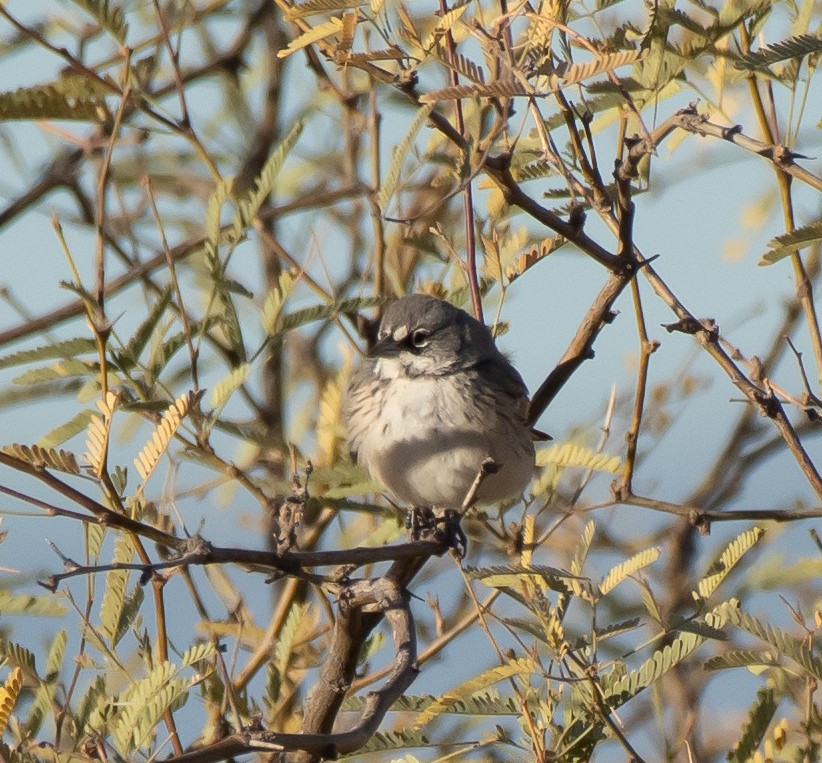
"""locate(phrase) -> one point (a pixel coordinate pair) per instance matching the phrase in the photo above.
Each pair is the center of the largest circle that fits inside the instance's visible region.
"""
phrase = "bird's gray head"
(421, 335)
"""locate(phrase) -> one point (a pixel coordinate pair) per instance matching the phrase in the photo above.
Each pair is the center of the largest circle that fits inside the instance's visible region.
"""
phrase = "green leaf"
(74, 426)
(516, 667)
(274, 302)
(512, 576)
(197, 653)
(68, 348)
(108, 15)
(61, 369)
(143, 704)
(753, 732)
(285, 643)
(649, 602)
(228, 385)
(57, 652)
(787, 646)
(733, 552)
(788, 243)
(251, 203)
(740, 658)
(399, 155)
(392, 740)
(93, 700)
(24, 604)
(95, 533)
(117, 610)
(221, 193)
(19, 656)
(307, 315)
(663, 660)
(582, 549)
(72, 96)
(483, 703)
(129, 356)
(601, 64)
(793, 47)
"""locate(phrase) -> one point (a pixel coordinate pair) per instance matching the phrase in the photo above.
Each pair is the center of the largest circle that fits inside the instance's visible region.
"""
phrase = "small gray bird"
(434, 399)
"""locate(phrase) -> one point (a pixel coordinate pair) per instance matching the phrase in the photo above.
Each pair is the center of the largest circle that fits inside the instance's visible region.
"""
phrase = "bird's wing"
(361, 392)
(500, 374)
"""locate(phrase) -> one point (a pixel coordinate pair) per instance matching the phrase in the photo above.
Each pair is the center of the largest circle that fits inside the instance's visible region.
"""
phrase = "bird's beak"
(385, 348)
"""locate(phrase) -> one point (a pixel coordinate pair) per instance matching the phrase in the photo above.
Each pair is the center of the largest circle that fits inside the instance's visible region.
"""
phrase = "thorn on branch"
(700, 522)
(692, 326)
(756, 368)
(647, 261)
(632, 141)
(407, 80)
(812, 414)
(620, 492)
(274, 576)
(576, 217)
(729, 132)
(586, 116)
(50, 583)
(767, 403)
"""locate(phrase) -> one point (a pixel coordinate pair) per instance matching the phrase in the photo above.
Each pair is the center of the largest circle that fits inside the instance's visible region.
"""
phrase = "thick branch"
(362, 606)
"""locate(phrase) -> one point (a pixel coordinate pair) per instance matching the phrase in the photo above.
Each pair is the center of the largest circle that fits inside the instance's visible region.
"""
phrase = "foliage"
(236, 191)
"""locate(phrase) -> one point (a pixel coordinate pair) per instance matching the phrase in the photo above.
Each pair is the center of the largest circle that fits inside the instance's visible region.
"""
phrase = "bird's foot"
(451, 532)
(423, 523)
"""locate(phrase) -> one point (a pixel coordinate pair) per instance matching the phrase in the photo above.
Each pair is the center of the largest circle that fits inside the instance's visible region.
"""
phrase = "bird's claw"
(423, 523)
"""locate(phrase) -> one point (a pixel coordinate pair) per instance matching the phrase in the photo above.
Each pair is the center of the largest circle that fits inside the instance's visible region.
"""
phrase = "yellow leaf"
(319, 32)
(9, 692)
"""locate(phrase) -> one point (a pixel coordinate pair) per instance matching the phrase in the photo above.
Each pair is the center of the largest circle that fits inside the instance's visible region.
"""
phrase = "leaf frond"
(229, 384)
(788, 243)
(98, 433)
(794, 47)
(108, 15)
(663, 660)
(753, 732)
(733, 552)
(70, 97)
(150, 455)
(44, 458)
(317, 33)
(399, 155)
(740, 658)
(610, 61)
(623, 571)
(9, 692)
(516, 667)
(68, 348)
(314, 7)
(787, 646)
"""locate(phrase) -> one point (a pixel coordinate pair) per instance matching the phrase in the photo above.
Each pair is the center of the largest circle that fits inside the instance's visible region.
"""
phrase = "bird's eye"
(420, 338)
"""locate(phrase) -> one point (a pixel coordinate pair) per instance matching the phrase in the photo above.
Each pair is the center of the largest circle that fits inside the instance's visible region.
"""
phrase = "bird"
(432, 401)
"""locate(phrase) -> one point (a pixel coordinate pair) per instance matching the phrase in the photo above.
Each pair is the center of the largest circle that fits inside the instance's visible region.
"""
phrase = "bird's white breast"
(432, 433)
